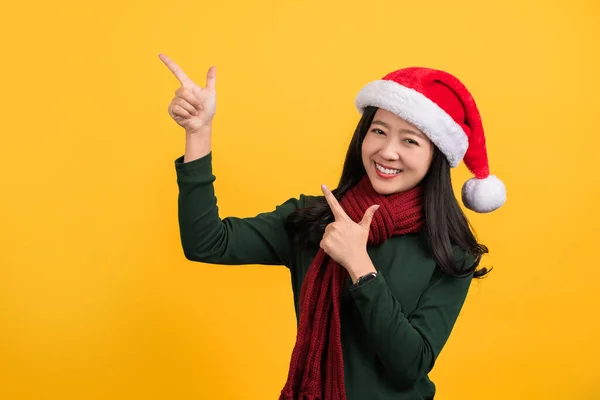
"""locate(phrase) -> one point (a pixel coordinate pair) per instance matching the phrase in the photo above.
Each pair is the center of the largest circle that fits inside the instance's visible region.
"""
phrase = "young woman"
(381, 266)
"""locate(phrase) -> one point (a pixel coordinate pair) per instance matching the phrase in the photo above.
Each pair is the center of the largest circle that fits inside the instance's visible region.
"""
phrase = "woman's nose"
(390, 151)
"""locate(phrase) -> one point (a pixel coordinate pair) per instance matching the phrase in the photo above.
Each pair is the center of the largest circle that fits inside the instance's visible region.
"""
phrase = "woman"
(381, 266)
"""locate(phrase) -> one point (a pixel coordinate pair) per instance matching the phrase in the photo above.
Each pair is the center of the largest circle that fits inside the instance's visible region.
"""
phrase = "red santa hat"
(439, 105)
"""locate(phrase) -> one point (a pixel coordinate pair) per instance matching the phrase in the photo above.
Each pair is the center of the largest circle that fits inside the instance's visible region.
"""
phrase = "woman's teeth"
(387, 171)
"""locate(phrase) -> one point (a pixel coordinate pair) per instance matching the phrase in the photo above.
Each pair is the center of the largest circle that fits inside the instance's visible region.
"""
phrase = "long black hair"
(446, 223)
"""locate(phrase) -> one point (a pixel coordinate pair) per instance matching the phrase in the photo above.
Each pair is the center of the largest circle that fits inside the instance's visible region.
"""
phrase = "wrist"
(361, 265)
(197, 144)
(200, 131)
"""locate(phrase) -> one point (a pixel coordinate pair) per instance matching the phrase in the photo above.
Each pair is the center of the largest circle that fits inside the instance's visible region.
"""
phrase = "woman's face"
(396, 155)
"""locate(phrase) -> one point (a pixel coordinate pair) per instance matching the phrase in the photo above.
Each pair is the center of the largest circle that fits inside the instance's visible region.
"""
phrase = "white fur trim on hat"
(484, 195)
(420, 111)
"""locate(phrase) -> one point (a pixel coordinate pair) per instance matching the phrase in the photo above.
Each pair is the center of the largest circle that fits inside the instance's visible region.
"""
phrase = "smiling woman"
(396, 154)
(381, 265)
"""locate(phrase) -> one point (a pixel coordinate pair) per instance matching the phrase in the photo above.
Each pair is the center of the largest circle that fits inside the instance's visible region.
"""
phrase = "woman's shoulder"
(298, 201)
(292, 204)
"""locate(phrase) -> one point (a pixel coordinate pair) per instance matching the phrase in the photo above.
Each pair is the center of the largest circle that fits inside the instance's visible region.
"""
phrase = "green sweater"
(393, 327)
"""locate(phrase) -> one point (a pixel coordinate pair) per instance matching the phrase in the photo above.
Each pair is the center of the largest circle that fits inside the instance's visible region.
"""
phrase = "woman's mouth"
(386, 172)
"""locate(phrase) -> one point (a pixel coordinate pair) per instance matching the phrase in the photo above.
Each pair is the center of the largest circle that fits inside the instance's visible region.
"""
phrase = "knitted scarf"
(317, 367)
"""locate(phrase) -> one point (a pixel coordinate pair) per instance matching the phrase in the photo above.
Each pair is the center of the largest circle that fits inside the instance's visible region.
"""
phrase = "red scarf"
(317, 367)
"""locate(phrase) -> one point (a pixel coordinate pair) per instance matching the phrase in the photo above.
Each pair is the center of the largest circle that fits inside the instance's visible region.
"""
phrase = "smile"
(386, 172)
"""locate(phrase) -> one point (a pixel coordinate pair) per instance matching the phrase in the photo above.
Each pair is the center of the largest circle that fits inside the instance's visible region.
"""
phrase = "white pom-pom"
(484, 195)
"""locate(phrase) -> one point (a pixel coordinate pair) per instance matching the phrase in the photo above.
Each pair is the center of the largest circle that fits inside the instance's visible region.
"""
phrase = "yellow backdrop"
(96, 298)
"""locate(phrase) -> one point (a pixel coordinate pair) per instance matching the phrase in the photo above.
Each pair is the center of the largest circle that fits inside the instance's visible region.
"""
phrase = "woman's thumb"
(368, 217)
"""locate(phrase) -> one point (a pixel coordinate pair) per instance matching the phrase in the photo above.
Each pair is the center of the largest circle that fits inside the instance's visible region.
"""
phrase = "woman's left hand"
(344, 240)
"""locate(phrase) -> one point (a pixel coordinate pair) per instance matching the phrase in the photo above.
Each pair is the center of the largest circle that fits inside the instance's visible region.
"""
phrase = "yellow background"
(96, 298)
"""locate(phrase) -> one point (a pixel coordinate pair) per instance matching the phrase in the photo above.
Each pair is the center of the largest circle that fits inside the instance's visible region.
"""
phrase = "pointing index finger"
(336, 208)
(175, 69)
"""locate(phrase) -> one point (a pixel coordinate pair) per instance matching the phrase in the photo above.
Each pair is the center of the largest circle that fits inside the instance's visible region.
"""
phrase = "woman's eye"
(378, 131)
(410, 141)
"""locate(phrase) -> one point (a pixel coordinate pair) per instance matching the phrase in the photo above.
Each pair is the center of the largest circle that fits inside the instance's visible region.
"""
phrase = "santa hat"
(439, 105)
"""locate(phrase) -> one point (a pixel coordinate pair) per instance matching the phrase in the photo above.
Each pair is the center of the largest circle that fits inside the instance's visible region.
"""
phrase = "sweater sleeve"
(408, 345)
(205, 237)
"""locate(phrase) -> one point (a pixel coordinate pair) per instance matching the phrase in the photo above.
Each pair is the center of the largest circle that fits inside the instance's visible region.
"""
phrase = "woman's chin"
(383, 187)
(386, 187)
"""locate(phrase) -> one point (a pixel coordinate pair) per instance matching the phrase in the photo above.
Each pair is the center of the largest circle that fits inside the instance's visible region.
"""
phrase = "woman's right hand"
(193, 107)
